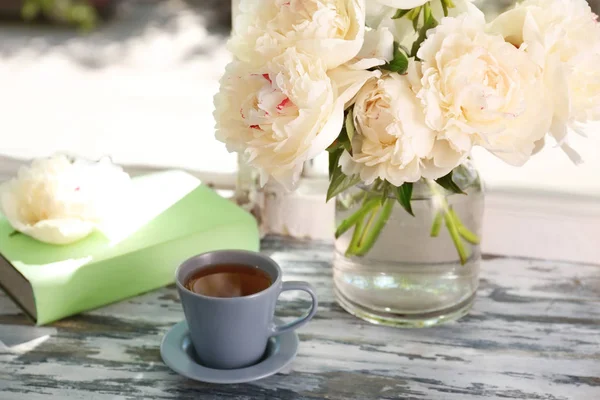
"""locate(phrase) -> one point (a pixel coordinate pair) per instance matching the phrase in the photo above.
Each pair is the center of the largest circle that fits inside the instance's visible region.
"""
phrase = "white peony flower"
(58, 201)
(563, 37)
(392, 141)
(331, 30)
(477, 88)
(282, 114)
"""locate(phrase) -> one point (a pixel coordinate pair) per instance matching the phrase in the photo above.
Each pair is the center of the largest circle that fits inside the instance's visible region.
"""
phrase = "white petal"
(9, 203)
(378, 47)
(414, 75)
(333, 52)
(330, 31)
(443, 160)
(558, 87)
(329, 132)
(59, 231)
(59, 201)
(349, 81)
(377, 12)
(365, 63)
(573, 155)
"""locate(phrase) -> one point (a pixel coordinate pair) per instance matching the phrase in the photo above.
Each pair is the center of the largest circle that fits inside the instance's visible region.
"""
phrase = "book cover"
(170, 217)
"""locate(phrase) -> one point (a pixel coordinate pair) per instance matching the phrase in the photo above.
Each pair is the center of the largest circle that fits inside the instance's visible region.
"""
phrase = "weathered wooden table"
(534, 333)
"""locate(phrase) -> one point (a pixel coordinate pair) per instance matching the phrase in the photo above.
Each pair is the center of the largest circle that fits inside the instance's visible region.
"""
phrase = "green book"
(170, 218)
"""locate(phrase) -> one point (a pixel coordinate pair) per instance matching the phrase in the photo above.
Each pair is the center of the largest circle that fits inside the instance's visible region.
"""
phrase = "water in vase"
(410, 278)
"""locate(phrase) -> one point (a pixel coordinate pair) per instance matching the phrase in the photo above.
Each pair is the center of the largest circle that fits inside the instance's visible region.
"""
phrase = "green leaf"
(404, 197)
(414, 13)
(399, 63)
(429, 22)
(350, 126)
(340, 184)
(344, 138)
(428, 15)
(339, 181)
(347, 145)
(447, 183)
(415, 20)
(445, 7)
(335, 146)
(14, 233)
(400, 13)
(334, 159)
(342, 142)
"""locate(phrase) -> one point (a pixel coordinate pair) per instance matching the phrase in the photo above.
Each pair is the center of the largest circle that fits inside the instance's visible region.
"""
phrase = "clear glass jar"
(410, 278)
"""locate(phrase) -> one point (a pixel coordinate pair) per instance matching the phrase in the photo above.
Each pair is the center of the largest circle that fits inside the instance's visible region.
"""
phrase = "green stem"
(467, 234)
(437, 224)
(372, 235)
(453, 230)
(453, 224)
(353, 246)
(354, 218)
(363, 234)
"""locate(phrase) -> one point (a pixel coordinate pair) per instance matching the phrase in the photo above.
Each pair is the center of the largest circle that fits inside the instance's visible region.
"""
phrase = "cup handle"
(305, 287)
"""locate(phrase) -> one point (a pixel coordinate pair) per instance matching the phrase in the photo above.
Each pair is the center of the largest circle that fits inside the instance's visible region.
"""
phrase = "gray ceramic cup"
(231, 333)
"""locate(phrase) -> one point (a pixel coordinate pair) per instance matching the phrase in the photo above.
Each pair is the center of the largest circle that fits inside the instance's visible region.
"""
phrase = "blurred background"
(134, 79)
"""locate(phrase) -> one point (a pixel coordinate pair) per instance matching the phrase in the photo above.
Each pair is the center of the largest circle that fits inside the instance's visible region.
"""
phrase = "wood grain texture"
(534, 333)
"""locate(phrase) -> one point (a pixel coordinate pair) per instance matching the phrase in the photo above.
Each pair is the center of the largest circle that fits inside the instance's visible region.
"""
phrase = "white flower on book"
(331, 30)
(562, 37)
(59, 201)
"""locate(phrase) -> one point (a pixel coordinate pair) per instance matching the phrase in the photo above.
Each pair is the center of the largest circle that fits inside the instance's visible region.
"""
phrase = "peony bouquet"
(400, 91)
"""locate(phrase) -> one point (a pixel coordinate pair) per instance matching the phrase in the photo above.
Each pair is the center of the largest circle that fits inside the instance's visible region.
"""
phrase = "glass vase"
(421, 270)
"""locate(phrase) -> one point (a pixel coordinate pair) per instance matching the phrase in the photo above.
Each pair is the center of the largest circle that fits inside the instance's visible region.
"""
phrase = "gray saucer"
(178, 353)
